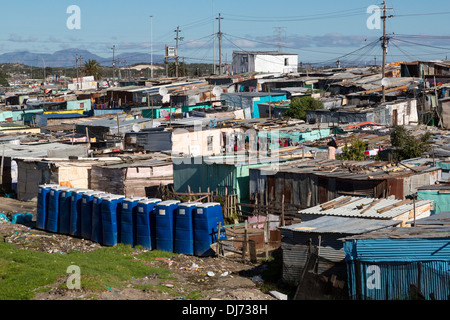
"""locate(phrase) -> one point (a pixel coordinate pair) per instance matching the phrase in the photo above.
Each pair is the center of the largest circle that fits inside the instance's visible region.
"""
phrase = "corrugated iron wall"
(392, 281)
(296, 249)
(385, 269)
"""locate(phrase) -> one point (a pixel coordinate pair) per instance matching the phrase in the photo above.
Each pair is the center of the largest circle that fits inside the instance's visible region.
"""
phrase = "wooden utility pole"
(219, 35)
(151, 47)
(178, 39)
(384, 45)
(114, 62)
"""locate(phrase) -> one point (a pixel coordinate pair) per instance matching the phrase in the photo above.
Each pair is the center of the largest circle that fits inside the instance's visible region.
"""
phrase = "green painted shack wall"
(76, 105)
(199, 175)
(441, 200)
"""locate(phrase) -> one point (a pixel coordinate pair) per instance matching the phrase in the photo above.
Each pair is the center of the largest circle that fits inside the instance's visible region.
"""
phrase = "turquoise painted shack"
(297, 136)
(399, 264)
(249, 101)
(440, 194)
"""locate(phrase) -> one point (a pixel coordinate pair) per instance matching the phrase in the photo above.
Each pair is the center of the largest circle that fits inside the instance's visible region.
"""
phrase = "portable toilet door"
(97, 217)
(184, 228)
(86, 213)
(65, 207)
(53, 209)
(111, 216)
(128, 220)
(42, 205)
(165, 215)
(146, 223)
(75, 212)
(206, 219)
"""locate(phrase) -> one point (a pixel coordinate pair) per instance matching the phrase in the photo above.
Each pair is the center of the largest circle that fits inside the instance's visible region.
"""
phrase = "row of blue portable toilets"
(186, 228)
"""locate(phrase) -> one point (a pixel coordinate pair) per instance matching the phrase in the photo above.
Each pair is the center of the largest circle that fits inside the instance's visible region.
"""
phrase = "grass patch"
(25, 272)
(194, 295)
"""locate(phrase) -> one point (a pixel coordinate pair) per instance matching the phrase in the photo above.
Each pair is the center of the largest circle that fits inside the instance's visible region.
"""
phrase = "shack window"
(210, 141)
(286, 62)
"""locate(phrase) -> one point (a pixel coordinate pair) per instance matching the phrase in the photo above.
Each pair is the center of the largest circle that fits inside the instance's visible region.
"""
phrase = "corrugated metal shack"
(137, 178)
(399, 264)
(321, 236)
(370, 208)
(152, 140)
(32, 172)
(308, 183)
(440, 194)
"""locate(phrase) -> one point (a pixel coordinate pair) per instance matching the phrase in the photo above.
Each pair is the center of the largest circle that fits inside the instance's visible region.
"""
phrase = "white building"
(264, 61)
(85, 83)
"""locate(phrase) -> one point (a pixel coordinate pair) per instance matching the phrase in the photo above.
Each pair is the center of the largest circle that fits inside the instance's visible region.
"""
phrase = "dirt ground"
(214, 278)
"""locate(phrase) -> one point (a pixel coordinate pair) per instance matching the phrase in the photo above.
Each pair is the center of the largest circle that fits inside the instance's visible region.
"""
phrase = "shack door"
(323, 190)
(394, 118)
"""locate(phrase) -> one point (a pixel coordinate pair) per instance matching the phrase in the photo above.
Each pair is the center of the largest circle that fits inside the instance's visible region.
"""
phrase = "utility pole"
(384, 45)
(151, 46)
(114, 62)
(177, 55)
(81, 72)
(166, 61)
(214, 40)
(219, 35)
(78, 73)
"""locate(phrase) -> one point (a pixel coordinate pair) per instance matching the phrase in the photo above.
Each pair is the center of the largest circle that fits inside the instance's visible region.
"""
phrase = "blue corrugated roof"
(62, 116)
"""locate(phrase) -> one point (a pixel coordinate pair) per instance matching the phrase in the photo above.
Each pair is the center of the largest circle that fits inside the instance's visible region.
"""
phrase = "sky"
(318, 31)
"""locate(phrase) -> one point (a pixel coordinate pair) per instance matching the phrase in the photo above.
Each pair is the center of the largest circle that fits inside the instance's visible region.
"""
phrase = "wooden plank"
(330, 205)
(385, 209)
(371, 206)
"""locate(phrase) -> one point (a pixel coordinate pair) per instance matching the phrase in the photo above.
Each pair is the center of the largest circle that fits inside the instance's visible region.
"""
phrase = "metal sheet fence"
(399, 281)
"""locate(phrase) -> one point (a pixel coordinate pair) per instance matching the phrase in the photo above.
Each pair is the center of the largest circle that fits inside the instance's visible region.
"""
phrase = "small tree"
(93, 68)
(407, 146)
(355, 152)
(299, 106)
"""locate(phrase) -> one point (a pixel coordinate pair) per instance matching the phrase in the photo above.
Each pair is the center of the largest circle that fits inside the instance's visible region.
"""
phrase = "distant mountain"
(67, 58)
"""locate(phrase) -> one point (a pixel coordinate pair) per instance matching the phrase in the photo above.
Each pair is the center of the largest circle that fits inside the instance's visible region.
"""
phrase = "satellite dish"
(136, 128)
(384, 82)
(163, 91)
(217, 91)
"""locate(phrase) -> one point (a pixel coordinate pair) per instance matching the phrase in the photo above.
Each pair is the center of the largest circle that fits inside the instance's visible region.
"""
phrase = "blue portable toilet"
(206, 219)
(96, 217)
(53, 209)
(165, 216)
(184, 228)
(65, 206)
(128, 220)
(42, 205)
(75, 211)
(111, 217)
(146, 223)
(86, 213)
